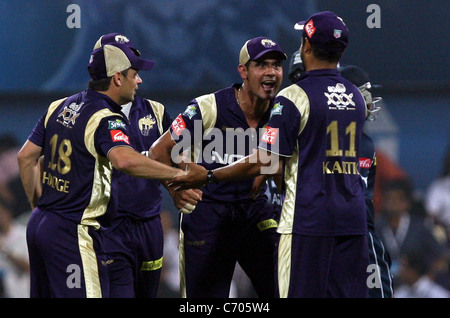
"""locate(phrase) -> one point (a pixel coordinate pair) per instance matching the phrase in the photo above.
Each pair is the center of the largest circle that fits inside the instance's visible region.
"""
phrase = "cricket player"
(230, 224)
(313, 138)
(135, 240)
(82, 139)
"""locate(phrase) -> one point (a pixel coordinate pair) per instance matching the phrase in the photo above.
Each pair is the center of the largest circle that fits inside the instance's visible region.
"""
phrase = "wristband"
(210, 178)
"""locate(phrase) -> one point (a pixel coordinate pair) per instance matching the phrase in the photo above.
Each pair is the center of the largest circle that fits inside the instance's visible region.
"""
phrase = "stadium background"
(195, 45)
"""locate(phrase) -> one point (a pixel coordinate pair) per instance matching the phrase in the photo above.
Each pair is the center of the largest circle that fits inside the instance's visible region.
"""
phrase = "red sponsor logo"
(309, 28)
(178, 125)
(118, 135)
(270, 135)
(365, 163)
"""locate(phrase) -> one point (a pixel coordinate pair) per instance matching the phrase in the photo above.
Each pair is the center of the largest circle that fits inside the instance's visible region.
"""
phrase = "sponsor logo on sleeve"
(116, 124)
(365, 163)
(277, 109)
(118, 135)
(270, 135)
(190, 111)
(178, 125)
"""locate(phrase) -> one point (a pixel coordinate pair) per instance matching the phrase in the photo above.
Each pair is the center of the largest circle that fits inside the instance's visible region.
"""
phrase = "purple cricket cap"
(324, 29)
(254, 48)
(115, 57)
(116, 38)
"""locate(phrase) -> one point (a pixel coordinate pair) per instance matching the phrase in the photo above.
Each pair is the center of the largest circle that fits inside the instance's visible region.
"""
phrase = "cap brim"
(299, 25)
(142, 64)
(261, 54)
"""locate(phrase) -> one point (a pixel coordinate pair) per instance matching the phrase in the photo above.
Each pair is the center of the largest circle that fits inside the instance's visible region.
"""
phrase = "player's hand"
(194, 178)
(257, 184)
(186, 200)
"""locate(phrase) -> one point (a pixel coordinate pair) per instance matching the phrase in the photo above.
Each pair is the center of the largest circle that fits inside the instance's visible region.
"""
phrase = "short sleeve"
(111, 132)
(281, 133)
(37, 136)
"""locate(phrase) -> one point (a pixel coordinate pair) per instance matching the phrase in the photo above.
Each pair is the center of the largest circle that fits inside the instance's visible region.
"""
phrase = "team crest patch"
(190, 111)
(337, 33)
(146, 124)
(116, 124)
(69, 114)
(267, 43)
(178, 125)
(121, 39)
(270, 135)
(119, 135)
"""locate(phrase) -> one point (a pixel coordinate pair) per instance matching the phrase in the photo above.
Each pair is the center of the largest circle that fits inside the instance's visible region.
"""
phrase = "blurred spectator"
(14, 264)
(387, 170)
(437, 199)
(417, 275)
(12, 193)
(169, 286)
(402, 224)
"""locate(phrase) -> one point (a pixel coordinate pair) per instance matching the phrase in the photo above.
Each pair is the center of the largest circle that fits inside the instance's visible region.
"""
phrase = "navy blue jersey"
(368, 166)
(138, 197)
(217, 128)
(316, 124)
(77, 133)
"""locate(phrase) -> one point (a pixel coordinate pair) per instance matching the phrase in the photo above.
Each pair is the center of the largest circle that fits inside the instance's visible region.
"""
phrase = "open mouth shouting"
(268, 86)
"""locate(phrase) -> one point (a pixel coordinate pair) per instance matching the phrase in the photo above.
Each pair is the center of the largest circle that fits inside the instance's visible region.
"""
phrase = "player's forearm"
(31, 182)
(237, 171)
(127, 160)
(161, 149)
(258, 163)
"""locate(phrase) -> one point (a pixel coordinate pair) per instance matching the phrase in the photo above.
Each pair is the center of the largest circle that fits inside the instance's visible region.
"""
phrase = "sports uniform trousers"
(317, 124)
(378, 255)
(64, 231)
(226, 226)
(134, 242)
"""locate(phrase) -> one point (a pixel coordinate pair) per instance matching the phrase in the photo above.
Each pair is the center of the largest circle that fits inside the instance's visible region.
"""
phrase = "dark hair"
(100, 85)
(325, 55)
(103, 84)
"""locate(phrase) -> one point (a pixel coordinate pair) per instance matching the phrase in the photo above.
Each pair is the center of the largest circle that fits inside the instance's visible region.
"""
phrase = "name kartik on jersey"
(340, 167)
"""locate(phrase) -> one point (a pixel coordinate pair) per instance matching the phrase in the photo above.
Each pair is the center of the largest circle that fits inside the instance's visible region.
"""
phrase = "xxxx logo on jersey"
(338, 98)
